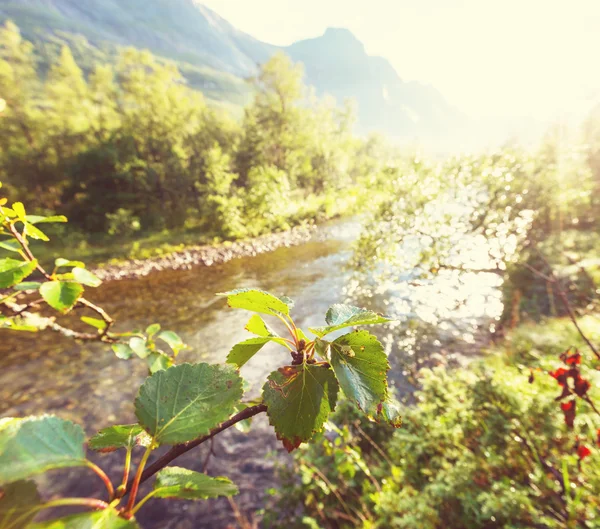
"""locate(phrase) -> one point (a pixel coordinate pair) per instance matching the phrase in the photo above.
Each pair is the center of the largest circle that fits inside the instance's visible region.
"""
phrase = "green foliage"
(342, 316)
(119, 436)
(17, 500)
(12, 272)
(299, 400)
(358, 361)
(61, 295)
(175, 482)
(186, 401)
(128, 147)
(34, 445)
(482, 448)
(301, 396)
(106, 519)
(256, 301)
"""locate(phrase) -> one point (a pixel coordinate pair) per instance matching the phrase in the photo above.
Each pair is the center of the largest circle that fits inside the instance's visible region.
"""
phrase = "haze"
(510, 59)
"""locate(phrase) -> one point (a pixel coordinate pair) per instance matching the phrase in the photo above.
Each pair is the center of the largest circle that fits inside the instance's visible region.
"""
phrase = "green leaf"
(105, 519)
(38, 219)
(119, 436)
(28, 285)
(301, 335)
(389, 411)
(19, 209)
(34, 233)
(151, 330)
(94, 322)
(85, 277)
(172, 340)
(361, 365)
(122, 351)
(256, 325)
(176, 482)
(341, 316)
(13, 272)
(11, 246)
(34, 445)
(288, 301)
(158, 361)
(61, 295)
(16, 499)
(322, 348)
(256, 300)
(187, 401)
(138, 346)
(244, 351)
(60, 262)
(299, 400)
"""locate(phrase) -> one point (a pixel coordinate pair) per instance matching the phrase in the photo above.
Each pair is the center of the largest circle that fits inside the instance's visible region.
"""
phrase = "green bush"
(480, 448)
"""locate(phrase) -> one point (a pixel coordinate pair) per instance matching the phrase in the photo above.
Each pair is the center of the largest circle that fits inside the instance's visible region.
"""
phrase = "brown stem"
(137, 480)
(211, 452)
(551, 278)
(86, 303)
(15, 233)
(105, 479)
(591, 403)
(178, 450)
(103, 314)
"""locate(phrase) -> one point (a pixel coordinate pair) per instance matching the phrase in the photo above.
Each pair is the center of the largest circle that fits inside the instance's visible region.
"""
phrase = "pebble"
(207, 255)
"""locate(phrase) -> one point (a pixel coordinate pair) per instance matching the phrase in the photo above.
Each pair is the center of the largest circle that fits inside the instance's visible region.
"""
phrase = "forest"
(453, 381)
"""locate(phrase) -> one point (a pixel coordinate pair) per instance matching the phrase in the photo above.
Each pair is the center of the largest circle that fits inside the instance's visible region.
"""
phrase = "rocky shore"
(206, 255)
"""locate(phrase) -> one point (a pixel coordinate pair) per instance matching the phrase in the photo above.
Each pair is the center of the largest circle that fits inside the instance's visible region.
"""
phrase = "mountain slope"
(216, 57)
(337, 63)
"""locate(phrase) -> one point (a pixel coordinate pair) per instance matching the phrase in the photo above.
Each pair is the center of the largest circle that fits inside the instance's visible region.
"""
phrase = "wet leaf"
(15, 500)
(256, 300)
(36, 444)
(13, 271)
(361, 365)
(341, 316)
(176, 482)
(61, 295)
(299, 400)
(186, 401)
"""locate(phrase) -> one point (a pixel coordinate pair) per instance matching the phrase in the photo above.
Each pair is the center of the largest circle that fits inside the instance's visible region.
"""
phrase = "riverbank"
(205, 255)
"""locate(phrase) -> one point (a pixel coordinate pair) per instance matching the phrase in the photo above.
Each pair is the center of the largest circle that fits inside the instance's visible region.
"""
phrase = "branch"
(181, 449)
(551, 278)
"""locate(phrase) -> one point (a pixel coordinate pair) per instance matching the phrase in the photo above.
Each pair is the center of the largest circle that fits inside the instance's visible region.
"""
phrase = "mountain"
(337, 63)
(216, 57)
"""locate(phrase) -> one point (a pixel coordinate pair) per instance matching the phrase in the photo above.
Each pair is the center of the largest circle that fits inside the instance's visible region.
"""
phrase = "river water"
(87, 384)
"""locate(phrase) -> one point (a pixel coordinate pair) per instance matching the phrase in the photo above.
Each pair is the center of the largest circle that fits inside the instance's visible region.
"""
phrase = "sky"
(490, 58)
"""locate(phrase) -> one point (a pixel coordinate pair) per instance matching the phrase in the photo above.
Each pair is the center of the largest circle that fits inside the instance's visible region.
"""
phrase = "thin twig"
(178, 450)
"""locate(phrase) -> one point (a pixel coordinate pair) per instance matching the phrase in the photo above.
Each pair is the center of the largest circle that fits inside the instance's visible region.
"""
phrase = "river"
(87, 384)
